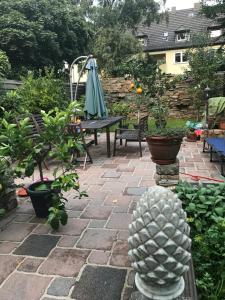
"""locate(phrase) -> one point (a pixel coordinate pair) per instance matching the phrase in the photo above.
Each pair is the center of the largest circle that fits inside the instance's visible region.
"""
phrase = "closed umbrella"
(94, 98)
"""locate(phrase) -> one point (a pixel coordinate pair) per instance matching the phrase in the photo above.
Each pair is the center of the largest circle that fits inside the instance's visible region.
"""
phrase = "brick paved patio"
(86, 259)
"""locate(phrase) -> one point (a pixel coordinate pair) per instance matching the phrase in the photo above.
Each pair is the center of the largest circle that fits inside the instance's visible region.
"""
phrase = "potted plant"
(164, 143)
(194, 130)
(28, 150)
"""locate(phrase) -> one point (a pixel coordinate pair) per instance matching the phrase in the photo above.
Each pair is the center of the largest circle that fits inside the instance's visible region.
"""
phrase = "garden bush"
(205, 207)
(7, 187)
(42, 93)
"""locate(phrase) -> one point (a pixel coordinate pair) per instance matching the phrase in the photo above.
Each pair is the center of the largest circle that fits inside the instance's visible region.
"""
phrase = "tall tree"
(113, 23)
(215, 10)
(38, 33)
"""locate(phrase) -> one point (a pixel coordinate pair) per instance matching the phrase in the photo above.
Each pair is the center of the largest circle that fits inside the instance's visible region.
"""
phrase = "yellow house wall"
(170, 67)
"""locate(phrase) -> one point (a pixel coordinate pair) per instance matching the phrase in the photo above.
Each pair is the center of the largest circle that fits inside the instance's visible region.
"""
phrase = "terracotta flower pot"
(164, 150)
(222, 124)
(191, 137)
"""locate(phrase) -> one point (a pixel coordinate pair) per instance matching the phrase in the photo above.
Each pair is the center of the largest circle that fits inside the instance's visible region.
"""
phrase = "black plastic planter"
(41, 200)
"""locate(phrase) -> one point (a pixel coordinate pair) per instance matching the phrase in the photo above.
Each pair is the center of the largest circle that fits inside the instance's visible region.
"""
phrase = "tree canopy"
(215, 9)
(38, 33)
(114, 23)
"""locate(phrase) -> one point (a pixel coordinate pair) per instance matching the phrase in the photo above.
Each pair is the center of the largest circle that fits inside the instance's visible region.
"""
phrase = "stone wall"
(179, 100)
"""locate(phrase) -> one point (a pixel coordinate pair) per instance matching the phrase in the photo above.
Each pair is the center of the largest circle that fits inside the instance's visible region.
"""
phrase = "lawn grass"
(171, 123)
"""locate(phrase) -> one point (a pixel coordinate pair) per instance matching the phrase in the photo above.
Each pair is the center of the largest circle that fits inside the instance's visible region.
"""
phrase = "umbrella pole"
(80, 74)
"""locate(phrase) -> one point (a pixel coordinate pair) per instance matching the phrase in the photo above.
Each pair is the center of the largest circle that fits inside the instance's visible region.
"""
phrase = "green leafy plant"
(6, 183)
(205, 207)
(53, 141)
(4, 64)
(41, 93)
(176, 132)
(204, 62)
(120, 109)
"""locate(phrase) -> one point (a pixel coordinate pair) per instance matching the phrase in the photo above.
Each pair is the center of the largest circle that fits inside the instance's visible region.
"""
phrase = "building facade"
(168, 40)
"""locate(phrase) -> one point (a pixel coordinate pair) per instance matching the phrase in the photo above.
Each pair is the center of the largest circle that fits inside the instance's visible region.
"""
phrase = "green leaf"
(192, 206)
(41, 187)
(64, 218)
(219, 211)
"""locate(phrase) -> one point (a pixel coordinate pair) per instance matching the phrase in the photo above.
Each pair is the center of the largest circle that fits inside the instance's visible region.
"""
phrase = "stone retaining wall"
(179, 99)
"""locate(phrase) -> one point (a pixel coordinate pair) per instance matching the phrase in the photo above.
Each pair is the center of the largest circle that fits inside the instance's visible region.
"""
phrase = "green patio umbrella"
(94, 97)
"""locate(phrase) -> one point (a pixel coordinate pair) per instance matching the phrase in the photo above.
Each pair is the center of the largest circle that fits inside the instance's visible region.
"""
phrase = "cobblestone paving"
(95, 239)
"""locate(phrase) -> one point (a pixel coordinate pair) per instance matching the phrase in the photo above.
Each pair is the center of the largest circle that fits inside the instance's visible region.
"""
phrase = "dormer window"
(182, 36)
(143, 41)
(215, 33)
(165, 36)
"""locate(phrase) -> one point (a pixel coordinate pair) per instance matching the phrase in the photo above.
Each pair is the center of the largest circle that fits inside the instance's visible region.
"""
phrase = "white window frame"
(143, 41)
(186, 36)
(215, 33)
(181, 58)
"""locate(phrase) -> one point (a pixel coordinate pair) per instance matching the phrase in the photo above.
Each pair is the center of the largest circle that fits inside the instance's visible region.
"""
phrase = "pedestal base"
(163, 293)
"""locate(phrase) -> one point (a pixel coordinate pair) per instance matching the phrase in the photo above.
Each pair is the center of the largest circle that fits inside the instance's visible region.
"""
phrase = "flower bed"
(205, 207)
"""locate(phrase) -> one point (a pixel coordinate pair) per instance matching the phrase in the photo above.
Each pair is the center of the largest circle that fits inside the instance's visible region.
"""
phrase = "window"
(182, 36)
(215, 33)
(165, 36)
(143, 41)
(191, 15)
(180, 57)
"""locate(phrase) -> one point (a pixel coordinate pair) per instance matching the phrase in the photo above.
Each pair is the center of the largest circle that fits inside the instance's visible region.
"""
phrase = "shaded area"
(99, 283)
(37, 245)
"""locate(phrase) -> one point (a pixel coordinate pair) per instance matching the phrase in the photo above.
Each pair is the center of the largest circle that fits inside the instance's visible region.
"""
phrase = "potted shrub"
(27, 151)
(164, 143)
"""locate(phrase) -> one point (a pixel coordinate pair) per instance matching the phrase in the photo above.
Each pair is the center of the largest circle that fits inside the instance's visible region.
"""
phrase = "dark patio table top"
(101, 123)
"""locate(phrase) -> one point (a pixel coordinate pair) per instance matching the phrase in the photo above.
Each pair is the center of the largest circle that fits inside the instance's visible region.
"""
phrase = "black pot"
(41, 200)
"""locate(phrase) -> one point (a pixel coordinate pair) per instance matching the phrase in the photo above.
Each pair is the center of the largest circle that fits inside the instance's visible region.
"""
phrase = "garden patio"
(87, 259)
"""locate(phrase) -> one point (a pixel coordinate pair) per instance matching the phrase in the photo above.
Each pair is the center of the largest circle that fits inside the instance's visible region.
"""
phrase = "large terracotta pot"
(164, 150)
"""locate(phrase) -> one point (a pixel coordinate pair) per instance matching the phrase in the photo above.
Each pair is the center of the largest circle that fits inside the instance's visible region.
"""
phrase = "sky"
(180, 4)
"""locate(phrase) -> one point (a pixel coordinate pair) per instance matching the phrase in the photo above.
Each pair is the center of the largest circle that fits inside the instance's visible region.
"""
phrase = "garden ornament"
(159, 244)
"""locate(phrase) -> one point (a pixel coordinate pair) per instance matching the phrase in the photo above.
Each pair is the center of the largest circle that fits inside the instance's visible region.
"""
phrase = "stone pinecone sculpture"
(159, 242)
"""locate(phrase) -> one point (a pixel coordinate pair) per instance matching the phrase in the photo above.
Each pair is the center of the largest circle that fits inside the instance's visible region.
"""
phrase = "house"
(168, 40)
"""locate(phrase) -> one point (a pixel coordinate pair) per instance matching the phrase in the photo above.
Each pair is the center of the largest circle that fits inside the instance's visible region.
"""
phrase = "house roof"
(180, 20)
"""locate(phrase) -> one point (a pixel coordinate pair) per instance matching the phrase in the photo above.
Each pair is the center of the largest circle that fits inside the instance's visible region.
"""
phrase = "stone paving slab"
(96, 212)
(24, 287)
(74, 227)
(37, 245)
(16, 232)
(64, 262)
(119, 221)
(7, 247)
(99, 239)
(30, 265)
(60, 286)
(8, 264)
(99, 283)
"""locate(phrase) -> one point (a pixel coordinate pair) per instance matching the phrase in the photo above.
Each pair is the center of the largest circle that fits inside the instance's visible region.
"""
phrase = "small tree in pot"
(164, 143)
(28, 150)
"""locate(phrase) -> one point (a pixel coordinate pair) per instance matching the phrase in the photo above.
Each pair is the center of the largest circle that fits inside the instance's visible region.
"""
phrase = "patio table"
(101, 124)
